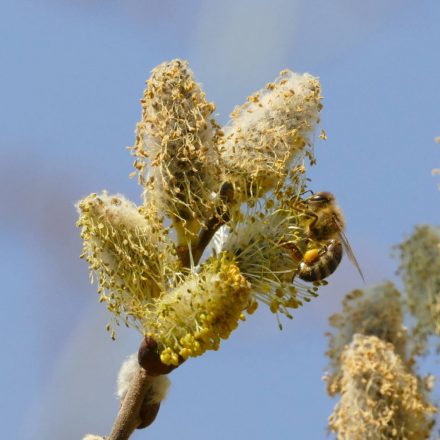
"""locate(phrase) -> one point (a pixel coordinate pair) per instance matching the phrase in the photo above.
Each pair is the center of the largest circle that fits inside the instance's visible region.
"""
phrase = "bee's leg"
(295, 251)
(314, 218)
(308, 213)
(323, 250)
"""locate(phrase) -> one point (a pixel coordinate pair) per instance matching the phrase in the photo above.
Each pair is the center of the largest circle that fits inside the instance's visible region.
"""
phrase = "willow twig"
(128, 418)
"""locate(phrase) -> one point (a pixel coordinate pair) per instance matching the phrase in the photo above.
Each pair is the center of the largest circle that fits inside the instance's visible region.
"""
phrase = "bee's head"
(320, 199)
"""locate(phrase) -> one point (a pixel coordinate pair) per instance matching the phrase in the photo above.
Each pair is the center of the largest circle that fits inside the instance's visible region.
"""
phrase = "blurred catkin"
(375, 311)
(380, 398)
(419, 257)
(370, 367)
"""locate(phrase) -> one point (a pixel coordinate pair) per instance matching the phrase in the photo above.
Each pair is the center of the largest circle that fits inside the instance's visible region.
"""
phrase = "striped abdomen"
(325, 265)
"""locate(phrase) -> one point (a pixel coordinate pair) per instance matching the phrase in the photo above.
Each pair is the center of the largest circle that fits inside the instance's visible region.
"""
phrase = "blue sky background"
(71, 78)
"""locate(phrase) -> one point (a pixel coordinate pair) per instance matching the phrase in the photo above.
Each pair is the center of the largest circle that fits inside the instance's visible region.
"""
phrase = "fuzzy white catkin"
(128, 369)
(270, 132)
(93, 437)
(118, 210)
(158, 384)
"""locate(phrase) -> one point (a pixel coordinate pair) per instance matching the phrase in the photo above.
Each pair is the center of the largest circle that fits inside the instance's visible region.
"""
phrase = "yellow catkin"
(205, 308)
(128, 251)
(176, 152)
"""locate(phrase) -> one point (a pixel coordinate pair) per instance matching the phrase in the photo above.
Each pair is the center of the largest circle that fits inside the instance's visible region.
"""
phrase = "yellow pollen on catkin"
(268, 244)
(274, 306)
(252, 307)
(187, 321)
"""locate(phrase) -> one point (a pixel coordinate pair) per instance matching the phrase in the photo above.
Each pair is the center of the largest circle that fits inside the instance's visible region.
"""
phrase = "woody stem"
(128, 418)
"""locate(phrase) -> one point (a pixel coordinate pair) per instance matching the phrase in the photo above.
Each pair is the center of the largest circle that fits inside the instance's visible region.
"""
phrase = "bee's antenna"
(307, 191)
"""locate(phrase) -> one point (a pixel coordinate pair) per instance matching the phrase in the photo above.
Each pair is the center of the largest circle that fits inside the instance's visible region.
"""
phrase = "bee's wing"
(349, 250)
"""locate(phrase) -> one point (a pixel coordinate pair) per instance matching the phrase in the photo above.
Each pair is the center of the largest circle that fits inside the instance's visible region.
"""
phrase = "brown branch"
(128, 418)
(139, 407)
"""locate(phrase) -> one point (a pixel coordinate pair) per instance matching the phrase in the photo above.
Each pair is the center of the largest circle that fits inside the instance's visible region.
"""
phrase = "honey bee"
(326, 239)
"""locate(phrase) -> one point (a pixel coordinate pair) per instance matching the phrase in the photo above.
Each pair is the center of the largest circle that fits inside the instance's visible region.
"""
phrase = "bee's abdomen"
(325, 265)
